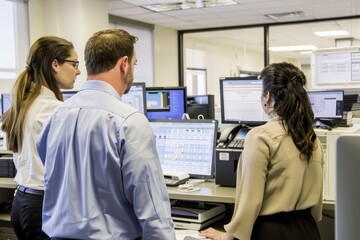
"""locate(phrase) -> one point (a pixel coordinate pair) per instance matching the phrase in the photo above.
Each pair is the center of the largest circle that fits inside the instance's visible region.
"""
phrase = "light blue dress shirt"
(103, 178)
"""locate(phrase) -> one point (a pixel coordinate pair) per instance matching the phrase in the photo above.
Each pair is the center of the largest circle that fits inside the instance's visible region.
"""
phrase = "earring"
(265, 105)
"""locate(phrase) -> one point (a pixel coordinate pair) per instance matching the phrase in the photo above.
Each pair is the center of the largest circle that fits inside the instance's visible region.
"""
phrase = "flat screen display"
(165, 102)
(186, 146)
(136, 97)
(336, 68)
(327, 104)
(240, 100)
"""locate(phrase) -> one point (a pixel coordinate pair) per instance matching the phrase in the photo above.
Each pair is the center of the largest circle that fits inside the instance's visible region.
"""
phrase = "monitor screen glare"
(327, 104)
(186, 146)
(136, 97)
(166, 102)
(240, 100)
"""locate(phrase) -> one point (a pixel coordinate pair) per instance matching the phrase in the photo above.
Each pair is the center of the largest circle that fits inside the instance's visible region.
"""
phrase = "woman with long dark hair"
(280, 172)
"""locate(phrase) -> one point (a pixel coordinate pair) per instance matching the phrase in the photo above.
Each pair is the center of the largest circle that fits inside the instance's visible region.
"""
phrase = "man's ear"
(124, 62)
(55, 65)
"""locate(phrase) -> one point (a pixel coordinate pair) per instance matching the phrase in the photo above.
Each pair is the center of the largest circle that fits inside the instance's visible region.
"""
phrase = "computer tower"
(201, 105)
(226, 166)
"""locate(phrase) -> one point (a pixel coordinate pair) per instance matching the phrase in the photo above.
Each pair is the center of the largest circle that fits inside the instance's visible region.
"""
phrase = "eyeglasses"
(75, 63)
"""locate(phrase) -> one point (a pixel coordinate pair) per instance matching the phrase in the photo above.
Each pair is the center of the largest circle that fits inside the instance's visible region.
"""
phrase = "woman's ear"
(266, 98)
(55, 65)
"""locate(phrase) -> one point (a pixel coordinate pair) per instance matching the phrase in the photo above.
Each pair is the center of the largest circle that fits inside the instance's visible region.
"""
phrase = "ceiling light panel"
(293, 48)
(189, 4)
(332, 33)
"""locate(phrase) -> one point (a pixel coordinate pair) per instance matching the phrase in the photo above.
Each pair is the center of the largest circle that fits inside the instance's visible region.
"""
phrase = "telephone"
(175, 178)
(233, 137)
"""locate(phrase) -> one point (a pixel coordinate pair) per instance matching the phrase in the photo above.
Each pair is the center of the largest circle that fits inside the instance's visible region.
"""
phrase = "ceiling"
(252, 12)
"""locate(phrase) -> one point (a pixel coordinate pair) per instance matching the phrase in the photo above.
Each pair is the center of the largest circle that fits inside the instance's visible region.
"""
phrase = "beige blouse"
(271, 178)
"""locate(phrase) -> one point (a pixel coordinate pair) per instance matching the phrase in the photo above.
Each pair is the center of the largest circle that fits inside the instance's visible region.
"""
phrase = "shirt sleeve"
(41, 142)
(316, 211)
(143, 179)
(250, 184)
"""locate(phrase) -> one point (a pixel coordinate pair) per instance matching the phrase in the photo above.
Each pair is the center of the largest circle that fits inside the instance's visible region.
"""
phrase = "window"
(7, 46)
(14, 42)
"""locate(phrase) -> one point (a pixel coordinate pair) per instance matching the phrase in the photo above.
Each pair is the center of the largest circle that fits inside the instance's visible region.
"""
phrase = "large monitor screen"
(327, 104)
(186, 146)
(240, 100)
(136, 97)
(165, 102)
(336, 68)
(5, 102)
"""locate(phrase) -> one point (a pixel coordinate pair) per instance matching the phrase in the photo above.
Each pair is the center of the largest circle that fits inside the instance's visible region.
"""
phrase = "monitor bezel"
(2, 101)
(72, 92)
(143, 86)
(326, 91)
(222, 104)
(179, 88)
(198, 176)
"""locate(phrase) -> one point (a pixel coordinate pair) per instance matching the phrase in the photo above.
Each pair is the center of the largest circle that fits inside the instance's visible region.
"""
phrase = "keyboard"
(236, 143)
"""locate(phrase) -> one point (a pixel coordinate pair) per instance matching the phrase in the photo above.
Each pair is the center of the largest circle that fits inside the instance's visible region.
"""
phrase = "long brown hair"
(285, 83)
(28, 85)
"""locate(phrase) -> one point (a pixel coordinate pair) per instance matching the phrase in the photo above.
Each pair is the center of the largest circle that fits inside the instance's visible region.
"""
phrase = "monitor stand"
(324, 123)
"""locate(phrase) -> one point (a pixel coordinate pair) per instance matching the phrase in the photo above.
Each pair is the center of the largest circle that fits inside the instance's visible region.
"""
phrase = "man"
(103, 178)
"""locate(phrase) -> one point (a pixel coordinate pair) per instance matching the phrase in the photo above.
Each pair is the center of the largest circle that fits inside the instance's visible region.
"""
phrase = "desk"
(7, 187)
(210, 192)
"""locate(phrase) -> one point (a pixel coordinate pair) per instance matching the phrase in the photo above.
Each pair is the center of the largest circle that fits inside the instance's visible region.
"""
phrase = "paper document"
(191, 234)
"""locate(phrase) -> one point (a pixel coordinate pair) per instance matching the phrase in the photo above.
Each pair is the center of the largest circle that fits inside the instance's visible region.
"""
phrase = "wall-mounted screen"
(186, 146)
(336, 68)
(165, 102)
(240, 99)
(327, 104)
(136, 97)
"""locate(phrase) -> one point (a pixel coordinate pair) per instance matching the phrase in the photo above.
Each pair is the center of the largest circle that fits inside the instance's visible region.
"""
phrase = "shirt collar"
(98, 85)
(47, 93)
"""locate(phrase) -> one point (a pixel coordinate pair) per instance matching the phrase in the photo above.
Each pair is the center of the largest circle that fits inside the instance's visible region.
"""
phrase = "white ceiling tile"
(118, 4)
(122, 12)
(251, 12)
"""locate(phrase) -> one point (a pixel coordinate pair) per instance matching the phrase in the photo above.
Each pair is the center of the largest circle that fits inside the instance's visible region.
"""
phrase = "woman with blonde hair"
(52, 65)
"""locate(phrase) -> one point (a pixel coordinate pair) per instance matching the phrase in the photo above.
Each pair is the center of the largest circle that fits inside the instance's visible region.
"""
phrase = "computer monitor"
(136, 97)
(68, 94)
(165, 102)
(5, 102)
(240, 99)
(327, 104)
(186, 146)
(336, 68)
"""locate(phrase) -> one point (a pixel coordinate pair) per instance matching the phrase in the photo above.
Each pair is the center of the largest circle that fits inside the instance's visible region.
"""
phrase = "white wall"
(220, 61)
(75, 21)
(166, 57)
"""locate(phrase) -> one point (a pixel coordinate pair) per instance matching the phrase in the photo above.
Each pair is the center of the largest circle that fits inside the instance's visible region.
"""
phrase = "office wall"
(166, 57)
(78, 20)
(73, 20)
